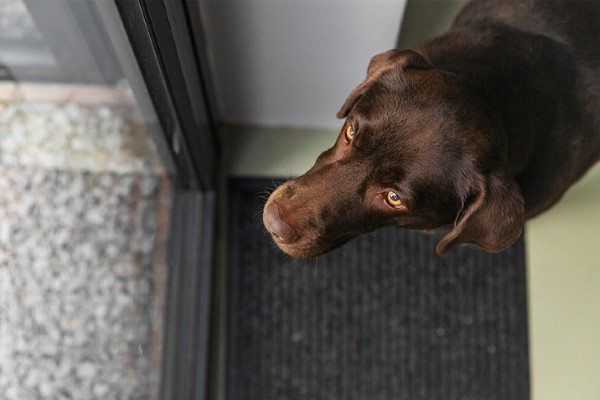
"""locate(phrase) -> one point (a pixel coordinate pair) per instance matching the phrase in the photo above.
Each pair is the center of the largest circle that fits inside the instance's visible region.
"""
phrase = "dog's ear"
(493, 220)
(402, 59)
(391, 59)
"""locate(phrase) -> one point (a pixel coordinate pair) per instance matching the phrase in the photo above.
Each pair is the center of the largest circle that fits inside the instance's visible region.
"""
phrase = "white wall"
(292, 62)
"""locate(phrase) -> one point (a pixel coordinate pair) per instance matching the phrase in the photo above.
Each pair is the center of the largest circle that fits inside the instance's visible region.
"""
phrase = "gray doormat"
(382, 318)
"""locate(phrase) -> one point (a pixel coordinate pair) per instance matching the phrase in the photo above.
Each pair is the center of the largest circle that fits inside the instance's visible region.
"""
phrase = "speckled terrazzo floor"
(80, 313)
(84, 213)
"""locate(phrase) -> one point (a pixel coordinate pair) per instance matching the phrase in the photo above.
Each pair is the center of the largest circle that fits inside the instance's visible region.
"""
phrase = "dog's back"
(572, 22)
(538, 63)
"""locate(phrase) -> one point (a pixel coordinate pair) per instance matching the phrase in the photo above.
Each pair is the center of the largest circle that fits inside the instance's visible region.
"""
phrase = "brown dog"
(473, 132)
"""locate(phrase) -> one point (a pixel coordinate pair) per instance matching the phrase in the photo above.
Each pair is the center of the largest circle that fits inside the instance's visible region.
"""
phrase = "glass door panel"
(85, 205)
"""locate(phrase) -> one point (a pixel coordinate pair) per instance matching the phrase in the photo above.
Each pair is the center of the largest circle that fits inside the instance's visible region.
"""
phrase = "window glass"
(84, 215)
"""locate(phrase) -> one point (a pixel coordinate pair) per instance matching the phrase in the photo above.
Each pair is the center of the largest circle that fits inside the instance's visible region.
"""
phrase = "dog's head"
(415, 151)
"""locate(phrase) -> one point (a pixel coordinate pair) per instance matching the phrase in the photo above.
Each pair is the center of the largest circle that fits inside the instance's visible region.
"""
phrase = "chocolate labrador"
(471, 133)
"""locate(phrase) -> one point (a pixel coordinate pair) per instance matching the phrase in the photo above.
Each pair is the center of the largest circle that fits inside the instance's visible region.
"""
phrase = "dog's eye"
(393, 199)
(349, 132)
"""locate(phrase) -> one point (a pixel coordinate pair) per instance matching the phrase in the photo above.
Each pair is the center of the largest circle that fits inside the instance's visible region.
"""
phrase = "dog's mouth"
(294, 239)
(311, 248)
(304, 252)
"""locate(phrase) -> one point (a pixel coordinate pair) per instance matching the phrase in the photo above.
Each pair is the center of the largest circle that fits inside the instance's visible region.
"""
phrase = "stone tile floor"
(80, 312)
(84, 205)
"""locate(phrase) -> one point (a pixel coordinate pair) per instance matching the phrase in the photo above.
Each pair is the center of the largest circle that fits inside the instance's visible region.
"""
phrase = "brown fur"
(476, 131)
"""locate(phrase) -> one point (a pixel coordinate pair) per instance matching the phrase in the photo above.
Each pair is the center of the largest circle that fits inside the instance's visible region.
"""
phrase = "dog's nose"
(280, 230)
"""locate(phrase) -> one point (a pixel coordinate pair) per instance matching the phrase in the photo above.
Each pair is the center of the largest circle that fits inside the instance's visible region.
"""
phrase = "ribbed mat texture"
(382, 318)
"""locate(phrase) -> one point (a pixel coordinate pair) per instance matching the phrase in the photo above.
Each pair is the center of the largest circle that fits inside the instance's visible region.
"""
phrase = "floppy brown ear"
(399, 59)
(493, 220)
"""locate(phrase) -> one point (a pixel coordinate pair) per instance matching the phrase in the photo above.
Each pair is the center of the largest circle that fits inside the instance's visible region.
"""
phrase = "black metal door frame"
(166, 40)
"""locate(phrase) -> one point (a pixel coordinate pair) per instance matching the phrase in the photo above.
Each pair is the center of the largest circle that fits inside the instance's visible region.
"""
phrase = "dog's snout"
(277, 227)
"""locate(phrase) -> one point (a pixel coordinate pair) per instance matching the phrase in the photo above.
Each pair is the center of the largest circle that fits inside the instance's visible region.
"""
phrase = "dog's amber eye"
(349, 132)
(393, 199)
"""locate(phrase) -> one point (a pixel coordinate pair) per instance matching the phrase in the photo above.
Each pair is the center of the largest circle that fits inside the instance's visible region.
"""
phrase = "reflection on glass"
(84, 215)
